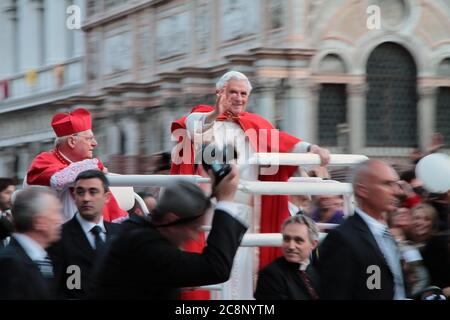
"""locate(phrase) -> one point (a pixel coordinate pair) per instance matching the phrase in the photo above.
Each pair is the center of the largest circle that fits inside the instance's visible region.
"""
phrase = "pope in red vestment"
(233, 91)
(73, 154)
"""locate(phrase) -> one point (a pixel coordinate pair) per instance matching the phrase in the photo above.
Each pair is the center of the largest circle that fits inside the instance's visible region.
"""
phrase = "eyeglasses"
(88, 138)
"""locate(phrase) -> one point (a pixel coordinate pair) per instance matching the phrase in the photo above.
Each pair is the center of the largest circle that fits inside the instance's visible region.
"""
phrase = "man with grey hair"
(229, 124)
(360, 258)
(26, 272)
(292, 277)
(73, 153)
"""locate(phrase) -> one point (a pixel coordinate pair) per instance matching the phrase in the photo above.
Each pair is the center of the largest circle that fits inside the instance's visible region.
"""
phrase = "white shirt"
(87, 227)
(33, 249)
(391, 254)
(234, 210)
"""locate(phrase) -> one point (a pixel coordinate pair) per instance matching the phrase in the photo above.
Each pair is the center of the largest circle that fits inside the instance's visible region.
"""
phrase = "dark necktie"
(308, 284)
(99, 243)
(45, 266)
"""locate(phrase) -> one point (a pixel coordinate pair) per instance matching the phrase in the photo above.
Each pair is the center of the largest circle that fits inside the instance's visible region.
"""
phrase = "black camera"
(217, 159)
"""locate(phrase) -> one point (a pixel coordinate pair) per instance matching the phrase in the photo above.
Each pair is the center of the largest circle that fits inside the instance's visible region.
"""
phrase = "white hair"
(233, 75)
(59, 141)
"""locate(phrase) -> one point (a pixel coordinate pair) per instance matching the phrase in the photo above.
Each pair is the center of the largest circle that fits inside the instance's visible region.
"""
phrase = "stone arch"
(417, 49)
(443, 68)
(332, 63)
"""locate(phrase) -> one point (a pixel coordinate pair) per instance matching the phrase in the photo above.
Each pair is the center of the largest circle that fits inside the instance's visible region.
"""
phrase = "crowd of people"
(64, 236)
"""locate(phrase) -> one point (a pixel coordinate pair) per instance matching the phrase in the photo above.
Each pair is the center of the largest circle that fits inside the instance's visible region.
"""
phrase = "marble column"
(55, 29)
(315, 91)
(298, 115)
(113, 138)
(167, 119)
(296, 15)
(265, 98)
(130, 128)
(356, 116)
(30, 37)
(8, 36)
(78, 35)
(426, 111)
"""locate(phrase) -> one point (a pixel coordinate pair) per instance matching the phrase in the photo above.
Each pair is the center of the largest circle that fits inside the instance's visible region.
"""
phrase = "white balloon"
(434, 171)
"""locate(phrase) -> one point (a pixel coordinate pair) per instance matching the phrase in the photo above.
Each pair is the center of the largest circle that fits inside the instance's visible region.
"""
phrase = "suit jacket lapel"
(368, 236)
(78, 237)
(14, 243)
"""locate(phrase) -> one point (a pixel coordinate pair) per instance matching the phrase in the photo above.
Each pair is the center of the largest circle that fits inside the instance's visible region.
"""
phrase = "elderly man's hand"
(324, 154)
(221, 100)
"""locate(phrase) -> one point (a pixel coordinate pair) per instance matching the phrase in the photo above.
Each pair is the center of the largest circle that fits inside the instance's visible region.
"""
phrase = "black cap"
(184, 199)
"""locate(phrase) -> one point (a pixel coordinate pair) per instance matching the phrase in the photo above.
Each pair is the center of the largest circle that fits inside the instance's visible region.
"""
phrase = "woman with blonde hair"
(433, 245)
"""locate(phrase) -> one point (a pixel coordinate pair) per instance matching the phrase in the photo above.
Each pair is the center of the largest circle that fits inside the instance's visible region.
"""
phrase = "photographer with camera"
(145, 261)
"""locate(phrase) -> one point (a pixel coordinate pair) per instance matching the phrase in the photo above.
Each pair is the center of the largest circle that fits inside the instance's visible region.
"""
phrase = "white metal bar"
(262, 240)
(271, 158)
(255, 187)
(162, 180)
(287, 188)
(305, 179)
(267, 239)
(141, 204)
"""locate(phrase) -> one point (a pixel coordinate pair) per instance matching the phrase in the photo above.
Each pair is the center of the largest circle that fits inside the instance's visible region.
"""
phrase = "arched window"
(443, 113)
(332, 101)
(391, 112)
(332, 112)
(123, 143)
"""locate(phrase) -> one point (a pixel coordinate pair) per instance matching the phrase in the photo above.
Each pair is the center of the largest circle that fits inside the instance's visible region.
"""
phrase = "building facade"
(41, 67)
(358, 76)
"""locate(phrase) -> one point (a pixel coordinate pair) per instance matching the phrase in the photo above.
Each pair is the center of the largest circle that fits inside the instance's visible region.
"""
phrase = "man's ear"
(107, 196)
(72, 192)
(71, 141)
(39, 223)
(315, 243)
(361, 191)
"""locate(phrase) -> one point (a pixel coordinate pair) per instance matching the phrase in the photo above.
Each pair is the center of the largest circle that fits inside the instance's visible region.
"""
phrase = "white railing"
(295, 186)
(305, 159)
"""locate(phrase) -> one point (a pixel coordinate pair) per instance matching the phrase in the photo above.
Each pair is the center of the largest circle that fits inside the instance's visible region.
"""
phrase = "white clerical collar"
(33, 249)
(88, 225)
(304, 265)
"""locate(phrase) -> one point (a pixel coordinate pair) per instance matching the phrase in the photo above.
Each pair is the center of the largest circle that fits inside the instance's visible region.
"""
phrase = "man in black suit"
(84, 236)
(292, 276)
(26, 272)
(145, 261)
(360, 259)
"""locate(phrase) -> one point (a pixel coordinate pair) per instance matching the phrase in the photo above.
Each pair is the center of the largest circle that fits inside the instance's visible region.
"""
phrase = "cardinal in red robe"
(72, 154)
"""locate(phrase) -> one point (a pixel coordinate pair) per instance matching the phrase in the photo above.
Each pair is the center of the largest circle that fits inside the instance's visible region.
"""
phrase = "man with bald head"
(360, 259)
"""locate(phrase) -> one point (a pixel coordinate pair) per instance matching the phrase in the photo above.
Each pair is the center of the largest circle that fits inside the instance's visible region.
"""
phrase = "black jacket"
(74, 249)
(344, 258)
(280, 280)
(142, 264)
(20, 277)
